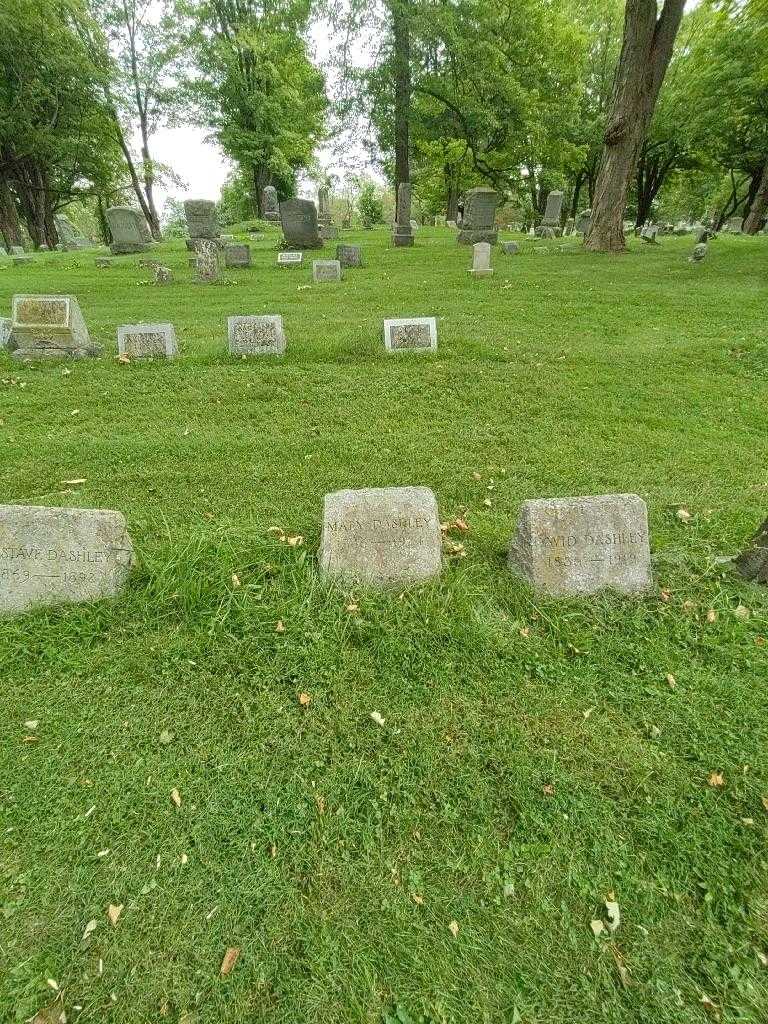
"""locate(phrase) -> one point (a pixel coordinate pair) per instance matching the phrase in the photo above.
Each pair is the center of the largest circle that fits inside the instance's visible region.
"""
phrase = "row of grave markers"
(53, 326)
(379, 537)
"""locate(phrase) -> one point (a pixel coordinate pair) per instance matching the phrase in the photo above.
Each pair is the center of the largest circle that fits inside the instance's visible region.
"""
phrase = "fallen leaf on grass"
(166, 737)
(279, 626)
(377, 718)
(304, 699)
(352, 608)
(418, 900)
(710, 1006)
(621, 967)
(113, 913)
(176, 797)
(235, 580)
(487, 502)
(716, 779)
(742, 613)
(665, 595)
(320, 804)
(74, 483)
(613, 912)
(671, 681)
(477, 476)
(31, 724)
(453, 927)
(75, 412)
(525, 632)
(597, 927)
(123, 359)
(229, 961)
(764, 801)
(295, 541)
(711, 615)
(683, 515)
(548, 789)
(90, 928)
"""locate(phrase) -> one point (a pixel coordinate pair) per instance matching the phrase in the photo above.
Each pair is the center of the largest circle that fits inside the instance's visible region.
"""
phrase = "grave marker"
(255, 335)
(410, 334)
(510, 248)
(577, 546)
(237, 256)
(202, 221)
(349, 255)
(753, 562)
(147, 341)
(49, 326)
(207, 263)
(59, 555)
(326, 270)
(479, 216)
(128, 229)
(290, 259)
(402, 233)
(381, 536)
(298, 218)
(270, 204)
(481, 260)
(5, 331)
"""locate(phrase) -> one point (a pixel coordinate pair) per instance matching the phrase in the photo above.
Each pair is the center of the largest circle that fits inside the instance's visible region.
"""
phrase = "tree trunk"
(10, 228)
(132, 171)
(759, 207)
(452, 197)
(576, 193)
(402, 51)
(645, 54)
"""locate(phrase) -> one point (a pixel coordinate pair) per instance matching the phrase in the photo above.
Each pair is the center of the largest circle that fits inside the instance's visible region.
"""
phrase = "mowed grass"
(534, 756)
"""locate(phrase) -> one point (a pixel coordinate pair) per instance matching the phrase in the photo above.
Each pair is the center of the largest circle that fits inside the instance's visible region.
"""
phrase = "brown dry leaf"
(113, 913)
(176, 797)
(352, 608)
(229, 961)
(235, 580)
(295, 540)
(710, 1006)
(711, 615)
(453, 927)
(304, 699)
(320, 802)
(123, 359)
(280, 626)
(548, 789)
(665, 595)
(764, 802)
(90, 928)
(278, 531)
(716, 779)
(418, 900)
(461, 524)
(671, 681)
(454, 550)
(621, 967)
(683, 515)
(525, 632)
(477, 476)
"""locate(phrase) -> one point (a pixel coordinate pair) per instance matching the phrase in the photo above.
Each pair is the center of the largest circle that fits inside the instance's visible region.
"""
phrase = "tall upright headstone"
(478, 224)
(481, 260)
(270, 204)
(202, 221)
(298, 218)
(323, 205)
(402, 234)
(128, 234)
(552, 212)
(49, 326)
(583, 221)
(207, 261)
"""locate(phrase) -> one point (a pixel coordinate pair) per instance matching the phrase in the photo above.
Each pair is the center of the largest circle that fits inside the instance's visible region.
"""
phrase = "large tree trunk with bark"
(452, 193)
(10, 227)
(645, 53)
(759, 207)
(401, 37)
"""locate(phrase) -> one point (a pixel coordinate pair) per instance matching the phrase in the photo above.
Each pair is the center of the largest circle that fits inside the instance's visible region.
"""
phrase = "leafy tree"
(369, 204)
(256, 86)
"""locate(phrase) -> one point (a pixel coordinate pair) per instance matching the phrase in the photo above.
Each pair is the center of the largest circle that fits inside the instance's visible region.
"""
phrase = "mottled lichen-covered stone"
(128, 229)
(577, 546)
(255, 335)
(381, 535)
(147, 341)
(402, 232)
(49, 326)
(237, 256)
(270, 210)
(326, 270)
(55, 555)
(510, 248)
(202, 221)
(410, 334)
(5, 331)
(207, 262)
(349, 255)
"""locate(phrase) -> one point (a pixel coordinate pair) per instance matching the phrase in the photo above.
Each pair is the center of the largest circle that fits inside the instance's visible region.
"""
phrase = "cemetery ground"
(202, 753)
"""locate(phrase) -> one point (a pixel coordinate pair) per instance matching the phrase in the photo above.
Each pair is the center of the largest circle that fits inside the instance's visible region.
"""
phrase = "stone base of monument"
(272, 217)
(753, 563)
(469, 237)
(574, 547)
(128, 248)
(402, 236)
(381, 536)
(545, 231)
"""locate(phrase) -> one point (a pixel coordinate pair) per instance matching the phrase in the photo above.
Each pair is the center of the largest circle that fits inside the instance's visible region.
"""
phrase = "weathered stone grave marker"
(202, 220)
(147, 341)
(290, 259)
(381, 536)
(753, 562)
(349, 255)
(49, 326)
(649, 233)
(510, 248)
(237, 256)
(57, 555)
(270, 204)
(577, 546)
(5, 330)
(550, 224)
(103, 262)
(478, 224)
(207, 261)
(699, 253)
(326, 270)
(128, 229)
(298, 218)
(408, 334)
(402, 233)
(481, 260)
(163, 275)
(255, 335)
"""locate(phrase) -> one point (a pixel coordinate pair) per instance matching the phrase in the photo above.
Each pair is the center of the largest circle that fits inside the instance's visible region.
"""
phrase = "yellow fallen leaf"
(418, 900)
(476, 476)
(113, 913)
(764, 802)
(352, 608)
(671, 681)
(711, 615)
(548, 789)
(229, 961)
(683, 515)
(378, 718)
(304, 699)
(716, 779)
(742, 613)
(295, 541)
(235, 580)
(487, 502)
(280, 626)
(597, 927)
(453, 927)
(176, 797)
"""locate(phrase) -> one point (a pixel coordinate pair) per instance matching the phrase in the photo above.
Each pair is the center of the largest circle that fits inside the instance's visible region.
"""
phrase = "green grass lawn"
(534, 758)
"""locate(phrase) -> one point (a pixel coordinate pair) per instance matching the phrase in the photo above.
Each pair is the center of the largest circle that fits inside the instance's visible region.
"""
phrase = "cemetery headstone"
(66, 231)
(323, 205)
(479, 217)
(5, 331)
(481, 260)
(163, 275)
(147, 341)
(255, 335)
(20, 261)
(349, 255)
(125, 226)
(202, 220)
(451, 224)
(414, 226)
(329, 232)
(570, 226)
(289, 259)
(577, 546)
(402, 233)
(326, 270)
(649, 233)
(298, 218)
(583, 221)
(381, 536)
(699, 252)
(51, 556)
(17, 250)
(408, 334)
(552, 213)
(544, 231)
(103, 262)
(510, 248)
(440, 220)
(734, 225)
(270, 204)
(49, 326)
(237, 256)
(753, 562)
(207, 263)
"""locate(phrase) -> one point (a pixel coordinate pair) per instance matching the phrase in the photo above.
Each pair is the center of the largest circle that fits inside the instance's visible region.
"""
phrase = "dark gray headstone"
(349, 255)
(237, 256)
(270, 204)
(753, 563)
(478, 224)
(202, 221)
(298, 218)
(128, 229)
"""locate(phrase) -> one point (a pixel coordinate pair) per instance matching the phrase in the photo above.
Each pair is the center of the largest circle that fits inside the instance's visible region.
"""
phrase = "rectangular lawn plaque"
(410, 334)
(147, 341)
(256, 335)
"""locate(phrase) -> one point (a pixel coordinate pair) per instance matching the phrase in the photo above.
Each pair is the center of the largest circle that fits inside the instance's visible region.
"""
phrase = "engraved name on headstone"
(147, 341)
(55, 555)
(577, 546)
(202, 221)
(381, 535)
(410, 334)
(255, 335)
(237, 256)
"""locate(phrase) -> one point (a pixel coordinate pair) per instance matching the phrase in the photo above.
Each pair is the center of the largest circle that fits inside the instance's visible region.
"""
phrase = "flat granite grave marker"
(147, 341)
(128, 229)
(49, 326)
(479, 216)
(255, 335)
(290, 259)
(298, 218)
(202, 221)
(59, 555)
(326, 270)
(349, 255)
(481, 260)
(577, 546)
(410, 334)
(237, 256)
(381, 536)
